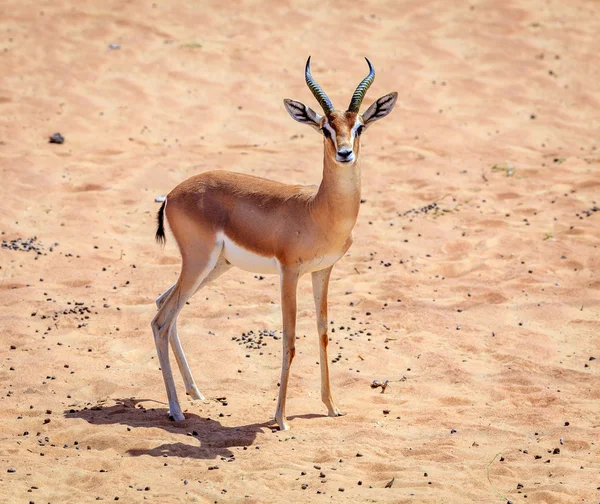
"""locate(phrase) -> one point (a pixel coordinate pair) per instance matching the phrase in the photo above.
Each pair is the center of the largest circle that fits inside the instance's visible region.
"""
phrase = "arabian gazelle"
(222, 219)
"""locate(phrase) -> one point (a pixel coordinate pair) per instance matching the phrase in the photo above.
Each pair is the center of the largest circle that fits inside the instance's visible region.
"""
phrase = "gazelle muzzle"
(345, 155)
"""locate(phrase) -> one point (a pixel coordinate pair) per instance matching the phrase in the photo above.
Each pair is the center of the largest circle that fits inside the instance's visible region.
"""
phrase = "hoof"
(195, 395)
(335, 413)
(283, 425)
(176, 417)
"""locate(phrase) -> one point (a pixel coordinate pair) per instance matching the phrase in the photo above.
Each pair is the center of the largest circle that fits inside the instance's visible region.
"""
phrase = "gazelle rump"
(222, 219)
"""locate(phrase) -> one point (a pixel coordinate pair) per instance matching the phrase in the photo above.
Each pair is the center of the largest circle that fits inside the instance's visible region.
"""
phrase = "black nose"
(344, 153)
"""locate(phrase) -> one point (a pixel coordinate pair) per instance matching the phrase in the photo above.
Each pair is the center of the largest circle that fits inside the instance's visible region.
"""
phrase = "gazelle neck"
(338, 196)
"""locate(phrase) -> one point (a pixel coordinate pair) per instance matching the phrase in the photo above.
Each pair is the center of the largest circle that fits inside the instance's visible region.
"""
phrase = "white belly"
(247, 260)
(255, 263)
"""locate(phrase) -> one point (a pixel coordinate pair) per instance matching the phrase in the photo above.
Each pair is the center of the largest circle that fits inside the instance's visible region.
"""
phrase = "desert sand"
(472, 286)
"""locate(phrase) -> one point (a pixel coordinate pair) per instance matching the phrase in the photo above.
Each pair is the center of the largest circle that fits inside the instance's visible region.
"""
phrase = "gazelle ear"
(382, 107)
(302, 113)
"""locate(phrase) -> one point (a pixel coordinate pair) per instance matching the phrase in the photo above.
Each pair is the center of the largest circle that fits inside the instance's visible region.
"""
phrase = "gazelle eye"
(326, 133)
(359, 130)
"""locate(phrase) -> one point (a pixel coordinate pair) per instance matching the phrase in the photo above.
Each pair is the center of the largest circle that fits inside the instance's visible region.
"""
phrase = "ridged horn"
(319, 94)
(361, 90)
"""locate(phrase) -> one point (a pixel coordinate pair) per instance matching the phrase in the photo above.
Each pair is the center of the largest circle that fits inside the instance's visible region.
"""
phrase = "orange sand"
(483, 312)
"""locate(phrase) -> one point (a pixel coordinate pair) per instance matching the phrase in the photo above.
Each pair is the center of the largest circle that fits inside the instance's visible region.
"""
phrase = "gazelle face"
(342, 136)
(341, 130)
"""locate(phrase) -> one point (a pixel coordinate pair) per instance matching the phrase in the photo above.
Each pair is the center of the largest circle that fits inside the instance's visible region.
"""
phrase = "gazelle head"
(341, 129)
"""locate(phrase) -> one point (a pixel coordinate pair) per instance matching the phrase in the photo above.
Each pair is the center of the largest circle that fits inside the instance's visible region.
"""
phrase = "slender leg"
(163, 297)
(220, 267)
(289, 284)
(191, 388)
(193, 272)
(320, 281)
(190, 385)
(160, 327)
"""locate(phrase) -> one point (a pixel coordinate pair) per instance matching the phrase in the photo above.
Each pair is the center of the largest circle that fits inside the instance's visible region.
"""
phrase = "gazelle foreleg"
(320, 281)
(289, 285)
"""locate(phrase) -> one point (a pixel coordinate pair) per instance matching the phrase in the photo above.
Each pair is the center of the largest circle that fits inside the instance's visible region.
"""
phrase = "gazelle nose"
(344, 153)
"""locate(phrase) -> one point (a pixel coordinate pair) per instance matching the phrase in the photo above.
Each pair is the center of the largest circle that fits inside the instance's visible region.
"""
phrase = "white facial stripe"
(331, 132)
(357, 124)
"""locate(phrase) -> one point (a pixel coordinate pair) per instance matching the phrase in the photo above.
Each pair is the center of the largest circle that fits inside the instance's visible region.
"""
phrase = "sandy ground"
(473, 283)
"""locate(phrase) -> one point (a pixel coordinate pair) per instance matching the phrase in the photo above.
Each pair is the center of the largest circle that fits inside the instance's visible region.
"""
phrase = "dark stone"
(57, 138)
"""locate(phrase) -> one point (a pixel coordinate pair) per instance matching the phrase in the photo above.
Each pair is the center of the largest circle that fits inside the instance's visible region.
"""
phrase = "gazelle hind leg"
(193, 272)
(191, 388)
(320, 281)
(160, 328)
(163, 297)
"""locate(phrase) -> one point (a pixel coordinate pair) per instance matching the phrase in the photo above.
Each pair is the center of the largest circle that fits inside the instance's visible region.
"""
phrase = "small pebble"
(57, 138)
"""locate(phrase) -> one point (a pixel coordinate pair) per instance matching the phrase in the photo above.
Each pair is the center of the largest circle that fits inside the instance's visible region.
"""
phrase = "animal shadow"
(205, 438)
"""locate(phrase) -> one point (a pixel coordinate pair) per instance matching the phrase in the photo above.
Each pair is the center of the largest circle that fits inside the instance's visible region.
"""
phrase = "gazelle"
(222, 219)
